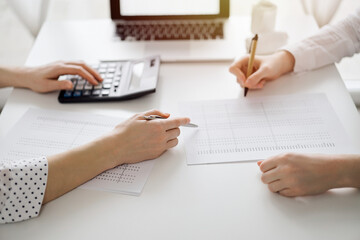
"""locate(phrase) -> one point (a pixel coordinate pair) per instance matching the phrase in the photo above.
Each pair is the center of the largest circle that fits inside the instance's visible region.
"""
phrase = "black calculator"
(122, 80)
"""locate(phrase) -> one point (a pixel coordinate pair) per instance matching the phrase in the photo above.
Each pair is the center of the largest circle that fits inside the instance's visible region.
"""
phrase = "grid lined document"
(257, 128)
(47, 132)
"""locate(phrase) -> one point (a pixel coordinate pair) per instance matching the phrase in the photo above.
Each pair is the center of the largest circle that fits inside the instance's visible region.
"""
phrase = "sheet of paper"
(257, 128)
(46, 132)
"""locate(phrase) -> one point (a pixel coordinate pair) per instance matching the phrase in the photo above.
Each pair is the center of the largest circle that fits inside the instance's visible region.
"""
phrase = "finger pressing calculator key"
(122, 80)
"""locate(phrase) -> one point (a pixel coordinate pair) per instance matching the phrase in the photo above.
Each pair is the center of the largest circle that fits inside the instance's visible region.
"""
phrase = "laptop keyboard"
(133, 31)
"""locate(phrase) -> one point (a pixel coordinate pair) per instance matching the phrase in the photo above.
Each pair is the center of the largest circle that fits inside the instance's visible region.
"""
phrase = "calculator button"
(105, 92)
(102, 70)
(96, 92)
(63, 77)
(107, 86)
(108, 80)
(87, 93)
(112, 65)
(109, 75)
(102, 76)
(99, 86)
(116, 84)
(88, 86)
(111, 70)
(117, 78)
(82, 81)
(68, 93)
(79, 87)
(77, 94)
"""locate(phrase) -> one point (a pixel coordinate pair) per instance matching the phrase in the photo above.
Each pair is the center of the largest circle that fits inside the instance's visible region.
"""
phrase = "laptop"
(177, 30)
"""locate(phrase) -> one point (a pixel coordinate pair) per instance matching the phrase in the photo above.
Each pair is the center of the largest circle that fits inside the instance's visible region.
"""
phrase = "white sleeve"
(329, 45)
(22, 189)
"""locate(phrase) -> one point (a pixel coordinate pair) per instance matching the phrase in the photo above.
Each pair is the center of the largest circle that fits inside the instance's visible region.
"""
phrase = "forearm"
(286, 62)
(71, 169)
(330, 44)
(12, 77)
(348, 171)
(132, 141)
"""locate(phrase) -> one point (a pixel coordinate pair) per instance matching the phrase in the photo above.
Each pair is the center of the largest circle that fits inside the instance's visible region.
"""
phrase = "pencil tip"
(245, 91)
(256, 37)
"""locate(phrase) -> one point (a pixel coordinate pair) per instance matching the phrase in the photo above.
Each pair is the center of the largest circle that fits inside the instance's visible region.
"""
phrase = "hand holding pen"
(264, 69)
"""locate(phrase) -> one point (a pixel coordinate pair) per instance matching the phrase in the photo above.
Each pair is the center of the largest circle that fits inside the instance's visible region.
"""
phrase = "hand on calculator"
(104, 81)
(45, 78)
(123, 79)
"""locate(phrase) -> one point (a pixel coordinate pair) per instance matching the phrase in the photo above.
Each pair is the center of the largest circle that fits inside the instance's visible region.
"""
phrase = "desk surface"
(221, 201)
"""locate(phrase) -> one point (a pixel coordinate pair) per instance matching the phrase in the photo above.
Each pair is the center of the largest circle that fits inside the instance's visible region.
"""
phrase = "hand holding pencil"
(264, 68)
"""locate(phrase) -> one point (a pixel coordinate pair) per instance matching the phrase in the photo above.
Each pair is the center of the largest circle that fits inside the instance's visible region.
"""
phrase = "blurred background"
(21, 20)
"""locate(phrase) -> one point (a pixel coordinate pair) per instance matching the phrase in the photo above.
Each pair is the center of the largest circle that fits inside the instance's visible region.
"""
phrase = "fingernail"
(259, 163)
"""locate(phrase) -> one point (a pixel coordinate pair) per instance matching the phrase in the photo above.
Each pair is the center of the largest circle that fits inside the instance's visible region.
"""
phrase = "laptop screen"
(168, 9)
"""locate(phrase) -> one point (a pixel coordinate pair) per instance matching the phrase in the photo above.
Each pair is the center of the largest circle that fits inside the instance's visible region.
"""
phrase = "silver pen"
(152, 117)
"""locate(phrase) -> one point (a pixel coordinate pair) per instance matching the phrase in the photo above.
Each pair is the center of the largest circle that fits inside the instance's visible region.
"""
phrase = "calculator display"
(136, 75)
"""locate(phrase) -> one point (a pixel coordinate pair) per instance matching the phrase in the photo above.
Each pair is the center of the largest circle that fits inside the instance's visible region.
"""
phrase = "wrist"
(72, 168)
(14, 77)
(110, 149)
(22, 77)
(347, 171)
(287, 61)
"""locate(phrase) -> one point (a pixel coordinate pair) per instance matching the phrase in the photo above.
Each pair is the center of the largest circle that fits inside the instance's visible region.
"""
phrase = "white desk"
(222, 201)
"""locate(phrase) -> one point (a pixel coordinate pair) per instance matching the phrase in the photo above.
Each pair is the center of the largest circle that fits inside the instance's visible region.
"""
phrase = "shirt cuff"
(22, 189)
(304, 61)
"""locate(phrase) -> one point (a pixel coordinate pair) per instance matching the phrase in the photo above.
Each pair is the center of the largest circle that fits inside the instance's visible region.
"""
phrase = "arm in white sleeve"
(329, 45)
(22, 189)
